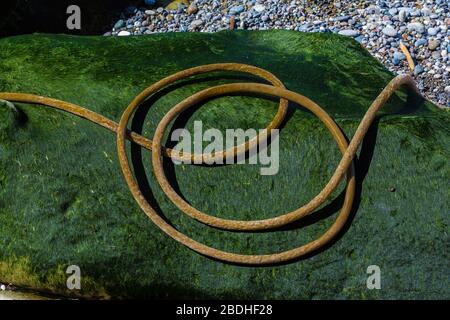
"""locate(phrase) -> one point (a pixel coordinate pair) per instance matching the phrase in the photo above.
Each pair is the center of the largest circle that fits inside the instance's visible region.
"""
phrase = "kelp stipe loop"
(345, 166)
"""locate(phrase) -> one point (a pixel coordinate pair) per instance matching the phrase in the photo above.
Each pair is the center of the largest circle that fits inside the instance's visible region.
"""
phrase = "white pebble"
(349, 33)
(259, 7)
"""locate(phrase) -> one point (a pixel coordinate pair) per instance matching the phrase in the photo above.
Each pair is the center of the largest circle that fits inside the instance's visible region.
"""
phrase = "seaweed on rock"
(63, 199)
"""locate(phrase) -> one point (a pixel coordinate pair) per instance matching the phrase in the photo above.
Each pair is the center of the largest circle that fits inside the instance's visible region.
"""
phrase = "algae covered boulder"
(64, 201)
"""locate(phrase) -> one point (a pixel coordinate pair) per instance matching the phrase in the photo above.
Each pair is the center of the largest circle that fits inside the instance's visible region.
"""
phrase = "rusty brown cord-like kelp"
(277, 89)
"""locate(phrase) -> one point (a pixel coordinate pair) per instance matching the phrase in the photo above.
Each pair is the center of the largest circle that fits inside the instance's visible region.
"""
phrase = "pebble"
(420, 42)
(418, 69)
(196, 23)
(393, 11)
(432, 31)
(436, 55)
(192, 9)
(236, 9)
(341, 18)
(416, 26)
(390, 31)
(447, 90)
(425, 12)
(349, 33)
(433, 44)
(123, 33)
(372, 9)
(119, 24)
(259, 7)
(402, 15)
(399, 55)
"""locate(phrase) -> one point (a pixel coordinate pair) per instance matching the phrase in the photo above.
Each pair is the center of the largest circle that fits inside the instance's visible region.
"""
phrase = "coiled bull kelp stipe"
(276, 89)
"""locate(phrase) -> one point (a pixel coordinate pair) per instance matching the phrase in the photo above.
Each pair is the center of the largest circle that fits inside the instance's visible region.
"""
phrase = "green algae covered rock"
(64, 201)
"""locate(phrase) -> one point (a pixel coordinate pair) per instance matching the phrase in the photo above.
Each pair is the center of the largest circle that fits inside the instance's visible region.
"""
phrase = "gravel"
(423, 26)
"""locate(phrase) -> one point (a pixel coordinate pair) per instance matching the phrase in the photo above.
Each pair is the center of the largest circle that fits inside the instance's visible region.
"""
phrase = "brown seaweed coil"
(277, 89)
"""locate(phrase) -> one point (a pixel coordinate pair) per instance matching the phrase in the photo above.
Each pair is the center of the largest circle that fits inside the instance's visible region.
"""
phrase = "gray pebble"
(119, 24)
(236, 9)
(341, 18)
(196, 23)
(390, 31)
(420, 42)
(436, 55)
(432, 31)
(418, 69)
(416, 26)
(393, 11)
(447, 90)
(399, 56)
(402, 15)
(259, 7)
(349, 33)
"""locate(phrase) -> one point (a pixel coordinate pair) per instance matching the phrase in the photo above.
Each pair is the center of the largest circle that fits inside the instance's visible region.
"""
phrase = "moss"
(63, 199)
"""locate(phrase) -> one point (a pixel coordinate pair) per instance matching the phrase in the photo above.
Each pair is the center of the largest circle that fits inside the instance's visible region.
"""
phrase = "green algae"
(63, 199)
